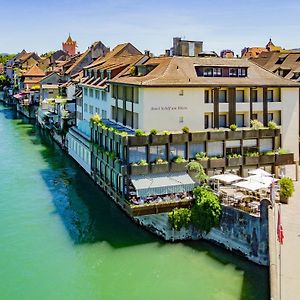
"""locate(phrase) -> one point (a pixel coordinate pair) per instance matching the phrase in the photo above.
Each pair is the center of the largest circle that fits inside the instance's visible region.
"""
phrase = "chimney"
(167, 52)
(147, 53)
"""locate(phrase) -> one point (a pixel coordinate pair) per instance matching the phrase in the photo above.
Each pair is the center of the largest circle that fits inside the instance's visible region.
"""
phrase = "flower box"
(198, 136)
(217, 163)
(178, 167)
(251, 160)
(267, 159)
(159, 168)
(234, 135)
(138, 140)
(250, 134)
(216, 135)
(284, 159)
(139, 170)
(203, 162)
(179, 138)
(235, 161)
(266, 132)
(159, 139)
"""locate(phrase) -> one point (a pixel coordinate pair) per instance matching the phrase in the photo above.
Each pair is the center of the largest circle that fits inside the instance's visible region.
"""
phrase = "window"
(208, 72)
(91, 109)
(97, 110)
(270, 94)
(85, 107)
(265, 145)
(242, 72)
(115, 91)
(103, 95)
(135, 95)
(180, 119)
(222, 121)
(91, 93)
(254, 117)
(177, 150)
(222, 96)
(237, 72)
(158, 152)
(217, 72)
(240, 96)
(136, 154)
(181, 93)
(206, 121)
(196, 148)
(254, 95)
(113, 113)
(85, 91)
(97, 94)
(215, 149)
(232, 72)
(104, 114)
(270, 117)
(206, 96)
(280, 60)
(240, 120)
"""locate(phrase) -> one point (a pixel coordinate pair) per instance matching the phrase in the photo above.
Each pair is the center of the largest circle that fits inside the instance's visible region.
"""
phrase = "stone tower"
(69, 46)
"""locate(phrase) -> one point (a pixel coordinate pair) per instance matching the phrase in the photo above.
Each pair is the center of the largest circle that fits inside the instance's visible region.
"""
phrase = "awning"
(260, 172)
(262, 179)
(227, 178)
(162, 184)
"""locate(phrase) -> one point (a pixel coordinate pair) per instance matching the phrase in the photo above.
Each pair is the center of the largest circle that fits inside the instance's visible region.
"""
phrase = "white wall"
(290, 120)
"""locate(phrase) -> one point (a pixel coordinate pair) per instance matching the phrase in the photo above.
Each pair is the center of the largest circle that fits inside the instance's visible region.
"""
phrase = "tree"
(180, 217)
(196, 167)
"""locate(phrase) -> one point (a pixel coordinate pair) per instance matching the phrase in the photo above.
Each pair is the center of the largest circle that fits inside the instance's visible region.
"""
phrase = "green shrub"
(95, 119)
(180, 217)
(286, 187)
(269, 153)
(255, 124)
(193, 166)
(272, 125)
(142, 162)
(185, 129)
(178, 159)
(233, 127)
(139, 132)
(234, 155)
(153, 131)
(252, 154)
(201, 155)
(281, 151)
(166, 132)
(160, 161)
(207, 210)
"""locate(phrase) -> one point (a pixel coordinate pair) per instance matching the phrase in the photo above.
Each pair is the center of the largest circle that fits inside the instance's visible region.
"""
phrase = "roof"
(35, 71)
(69, 41)
(180, 71)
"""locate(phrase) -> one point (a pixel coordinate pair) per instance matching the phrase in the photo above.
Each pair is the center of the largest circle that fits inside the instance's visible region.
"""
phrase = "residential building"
(185, 47)
(253, 52)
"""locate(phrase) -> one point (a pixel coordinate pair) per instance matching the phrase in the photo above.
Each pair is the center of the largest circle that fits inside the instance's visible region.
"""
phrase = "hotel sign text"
(156, 108)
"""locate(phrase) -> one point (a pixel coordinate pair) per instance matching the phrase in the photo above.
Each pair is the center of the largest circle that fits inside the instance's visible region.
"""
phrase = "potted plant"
(268, 131)
(202, 159)
(179, 138)
(286, 189)
(198, 136)
(156, 138)
(253, 132)
(216, 135)
(267, 158)
(234, 133)
(159, 166)
(283, 157)
(140, 168)
(140, 138)
(234, 159)
(216, 162)
(251, 158)
(178, 164)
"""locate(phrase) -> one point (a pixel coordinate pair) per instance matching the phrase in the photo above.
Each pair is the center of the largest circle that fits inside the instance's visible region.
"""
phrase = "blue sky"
(42, 25)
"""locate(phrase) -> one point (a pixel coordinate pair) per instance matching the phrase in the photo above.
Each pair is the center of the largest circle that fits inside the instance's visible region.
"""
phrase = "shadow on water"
(89, 216)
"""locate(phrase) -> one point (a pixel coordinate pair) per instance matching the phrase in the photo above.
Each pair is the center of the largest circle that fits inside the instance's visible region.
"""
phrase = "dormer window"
(207, 72)
(296, 75)
(280, 60)
(221, 71)
(217, 72)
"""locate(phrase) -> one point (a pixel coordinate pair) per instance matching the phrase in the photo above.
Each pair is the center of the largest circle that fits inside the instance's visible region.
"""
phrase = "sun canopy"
(250, 185)
(162, 184)
(262, 179)
(260, 172)
(227, 178)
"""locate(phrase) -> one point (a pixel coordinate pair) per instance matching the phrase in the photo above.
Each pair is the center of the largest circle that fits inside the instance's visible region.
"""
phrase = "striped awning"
(162, 184)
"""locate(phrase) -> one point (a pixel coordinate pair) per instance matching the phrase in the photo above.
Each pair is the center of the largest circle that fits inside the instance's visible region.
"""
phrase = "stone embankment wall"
(239, 232)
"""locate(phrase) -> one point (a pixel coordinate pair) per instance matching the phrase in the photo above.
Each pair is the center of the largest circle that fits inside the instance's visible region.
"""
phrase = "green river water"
(62, 238)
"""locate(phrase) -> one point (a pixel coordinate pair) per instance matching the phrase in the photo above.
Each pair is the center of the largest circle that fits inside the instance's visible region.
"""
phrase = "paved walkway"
(290, 250)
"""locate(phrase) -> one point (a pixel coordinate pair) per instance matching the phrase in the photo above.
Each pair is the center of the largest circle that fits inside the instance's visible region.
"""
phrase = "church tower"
(69, 46)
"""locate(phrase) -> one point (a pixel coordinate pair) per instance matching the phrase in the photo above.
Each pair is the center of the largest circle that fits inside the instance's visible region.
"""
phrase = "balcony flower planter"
(203, 162)
(217, 163)
(139, 170)
(267, 159)
(234, 135)
(266, 132)
(178, 167)
(216, 135)
(159, 139)
(284, 159)
(250, 134)
(198, 136)
(138, 140)
(159, 168)
(251, 160)
(235, 161)
(179, 138)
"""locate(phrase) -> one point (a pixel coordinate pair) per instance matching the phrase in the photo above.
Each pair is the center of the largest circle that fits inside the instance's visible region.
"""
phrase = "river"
(62, 238)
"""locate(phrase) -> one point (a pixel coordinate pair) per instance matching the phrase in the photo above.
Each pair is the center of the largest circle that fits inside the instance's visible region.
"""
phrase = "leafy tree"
(180, 217)
(4, 58)
(196, 167)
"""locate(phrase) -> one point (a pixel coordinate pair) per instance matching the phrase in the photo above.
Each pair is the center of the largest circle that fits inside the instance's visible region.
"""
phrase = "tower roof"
(69, 40)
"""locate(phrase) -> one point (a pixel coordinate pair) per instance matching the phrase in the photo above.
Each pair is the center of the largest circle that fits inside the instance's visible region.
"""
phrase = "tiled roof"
(180, 71)
(35, 71)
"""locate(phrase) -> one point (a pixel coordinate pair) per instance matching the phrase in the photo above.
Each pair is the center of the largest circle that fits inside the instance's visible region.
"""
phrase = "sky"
(42, 26)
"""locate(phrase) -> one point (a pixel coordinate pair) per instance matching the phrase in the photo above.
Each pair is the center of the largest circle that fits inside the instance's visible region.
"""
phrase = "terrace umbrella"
(250, 185)
(227, 178)
(267, 180)
(259, 172)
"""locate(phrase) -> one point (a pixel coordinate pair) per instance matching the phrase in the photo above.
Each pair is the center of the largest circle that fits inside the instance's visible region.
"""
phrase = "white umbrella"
(260, 172)
(250, 185)
(262, 179)
(227, 178)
